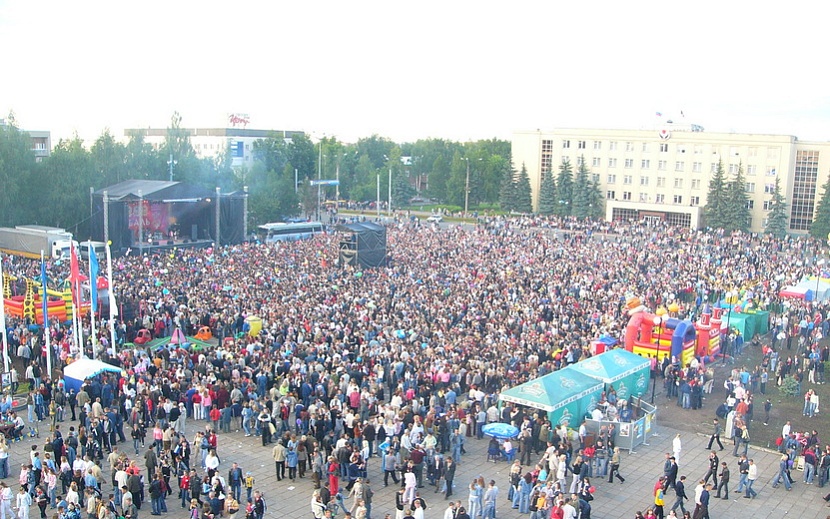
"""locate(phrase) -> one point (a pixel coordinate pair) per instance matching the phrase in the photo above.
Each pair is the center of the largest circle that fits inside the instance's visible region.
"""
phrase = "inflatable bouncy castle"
(658, 336)
(708, 334)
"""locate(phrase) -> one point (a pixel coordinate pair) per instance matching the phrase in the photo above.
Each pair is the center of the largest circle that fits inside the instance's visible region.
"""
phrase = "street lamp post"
(728, 344)
(467, 188)
(171, 163)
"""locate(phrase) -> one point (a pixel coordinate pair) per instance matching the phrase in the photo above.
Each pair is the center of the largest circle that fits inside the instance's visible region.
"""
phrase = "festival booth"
(629, 374)
(566, 395)
(603, 343)
(797, 292)
(748, 323)
(75, 373)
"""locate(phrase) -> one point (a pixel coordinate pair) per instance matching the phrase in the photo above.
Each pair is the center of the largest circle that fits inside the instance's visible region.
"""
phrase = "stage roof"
(360, 227)
(154, 190)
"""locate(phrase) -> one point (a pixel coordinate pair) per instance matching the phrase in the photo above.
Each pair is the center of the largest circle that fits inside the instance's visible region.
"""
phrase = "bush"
(789, 387)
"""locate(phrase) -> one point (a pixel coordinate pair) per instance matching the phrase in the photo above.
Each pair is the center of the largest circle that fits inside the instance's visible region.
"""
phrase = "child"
(249, 484)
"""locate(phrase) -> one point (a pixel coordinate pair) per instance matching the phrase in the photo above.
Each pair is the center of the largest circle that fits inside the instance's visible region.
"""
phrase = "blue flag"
(44, 297)
(93, 278)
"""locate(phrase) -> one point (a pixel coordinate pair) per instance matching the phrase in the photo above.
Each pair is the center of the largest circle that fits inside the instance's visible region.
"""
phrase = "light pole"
(171, 163)
(377, 202)
(390, 191)
(467, 188)
(728, 332)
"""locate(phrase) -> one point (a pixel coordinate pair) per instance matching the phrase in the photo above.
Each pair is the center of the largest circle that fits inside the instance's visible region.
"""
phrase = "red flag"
(74, 276)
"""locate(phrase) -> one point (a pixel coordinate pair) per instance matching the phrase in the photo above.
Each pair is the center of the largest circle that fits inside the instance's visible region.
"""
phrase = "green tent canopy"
(554, 390)
(191, 343)
(628, 372)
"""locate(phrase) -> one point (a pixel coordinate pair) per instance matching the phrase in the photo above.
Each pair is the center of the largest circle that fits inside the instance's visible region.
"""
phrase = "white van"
(99, 247)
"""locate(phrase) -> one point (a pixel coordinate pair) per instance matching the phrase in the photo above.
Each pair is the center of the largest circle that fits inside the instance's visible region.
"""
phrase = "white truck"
(31, 240)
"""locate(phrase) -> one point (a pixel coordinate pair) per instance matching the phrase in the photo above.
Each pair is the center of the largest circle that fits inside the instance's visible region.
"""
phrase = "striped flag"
(44, 297)
(93, 277)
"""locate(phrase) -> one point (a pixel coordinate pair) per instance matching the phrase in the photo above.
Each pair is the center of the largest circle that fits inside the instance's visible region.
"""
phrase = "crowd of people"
(402, 363)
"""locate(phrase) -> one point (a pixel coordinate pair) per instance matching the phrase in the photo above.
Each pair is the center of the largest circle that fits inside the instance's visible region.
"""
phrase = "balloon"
(674, 307)
(660, 311)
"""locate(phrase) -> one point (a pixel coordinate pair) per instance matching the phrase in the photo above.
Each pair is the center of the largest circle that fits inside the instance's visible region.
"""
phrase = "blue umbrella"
(500, 430)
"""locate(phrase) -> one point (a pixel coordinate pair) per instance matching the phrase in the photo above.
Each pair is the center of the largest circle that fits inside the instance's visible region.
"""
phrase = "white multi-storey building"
(212, 142)
(664, 174)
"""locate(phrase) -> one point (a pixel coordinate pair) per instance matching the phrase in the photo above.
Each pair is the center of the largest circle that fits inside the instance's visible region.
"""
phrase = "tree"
(17, 167)
(65, 180)
(564, 188)
(547, 194)
(437, 178)
(596, 204)
(777, 218)
(524, 202)
(580, 199)
(821, 222)
(738, 217)
(109, 160)
(507, 190)
(715, 209)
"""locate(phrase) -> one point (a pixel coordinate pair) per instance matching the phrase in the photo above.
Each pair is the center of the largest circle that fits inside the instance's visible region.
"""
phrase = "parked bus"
(275, 232)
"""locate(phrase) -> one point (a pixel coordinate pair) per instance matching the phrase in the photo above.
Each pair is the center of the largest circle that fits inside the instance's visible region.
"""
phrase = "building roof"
(153, 190)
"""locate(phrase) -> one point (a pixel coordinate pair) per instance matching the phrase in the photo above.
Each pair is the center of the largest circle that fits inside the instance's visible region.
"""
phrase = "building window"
(750, 169)
(752, 151)
(580, 160)
(643, 181)
(664, 147)
(643, 197)
(713, 168)
(661, 165)
(597, 145)
(678, 199)
(629, 163)
(767, 205)
(645, 147)
(547, 145)
(771, 172)
(805, 178)
(750, 204)
(697, 167)
(733, 168)
(645, 163)
(566, 144)
(769, 189)
(595, 162)
(661, 181)
(660, 198)
(629, 146)
(679, 165)
(627, 180)
(611, 179)
(695, 183)
(580, 145)
(749, 187)
(772, 153)
(626, 195)
(612, 162)
(695, 200)
(547, 155)
(610, 195)
(678, 183)
(595, 178)
(698, 149)
(612, 146)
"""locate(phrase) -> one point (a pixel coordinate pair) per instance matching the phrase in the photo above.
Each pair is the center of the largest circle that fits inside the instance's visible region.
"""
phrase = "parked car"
(436, 218)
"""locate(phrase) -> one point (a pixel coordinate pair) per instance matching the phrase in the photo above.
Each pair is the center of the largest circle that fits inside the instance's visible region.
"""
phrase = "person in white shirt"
(676, 448)
(23, 502)
(568, 511)
(785, 431)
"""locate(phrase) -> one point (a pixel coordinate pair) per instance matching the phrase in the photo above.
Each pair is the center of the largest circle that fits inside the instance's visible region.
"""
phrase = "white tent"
(74, 374)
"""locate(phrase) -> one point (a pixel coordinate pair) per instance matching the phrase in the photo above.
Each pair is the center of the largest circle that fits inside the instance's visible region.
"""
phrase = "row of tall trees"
(727, 204)
(563, 195)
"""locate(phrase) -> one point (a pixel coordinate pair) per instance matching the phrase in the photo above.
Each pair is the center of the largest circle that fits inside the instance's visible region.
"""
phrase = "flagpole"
(113, 306)
(46, 331)
(3, 318)
(93, 286)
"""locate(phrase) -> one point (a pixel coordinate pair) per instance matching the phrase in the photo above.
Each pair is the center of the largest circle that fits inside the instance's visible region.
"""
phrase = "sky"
(461, 70)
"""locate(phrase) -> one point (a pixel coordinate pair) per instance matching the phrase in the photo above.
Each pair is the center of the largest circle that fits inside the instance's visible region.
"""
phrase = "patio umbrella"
(500, 430)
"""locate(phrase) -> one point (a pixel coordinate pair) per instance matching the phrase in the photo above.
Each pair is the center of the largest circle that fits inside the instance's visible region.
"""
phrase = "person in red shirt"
(557, 512)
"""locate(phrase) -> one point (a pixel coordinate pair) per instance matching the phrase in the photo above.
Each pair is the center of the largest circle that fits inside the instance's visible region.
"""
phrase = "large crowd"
(403, 362)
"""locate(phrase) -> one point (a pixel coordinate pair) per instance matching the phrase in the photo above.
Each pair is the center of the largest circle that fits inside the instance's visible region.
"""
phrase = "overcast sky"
(407, 70)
